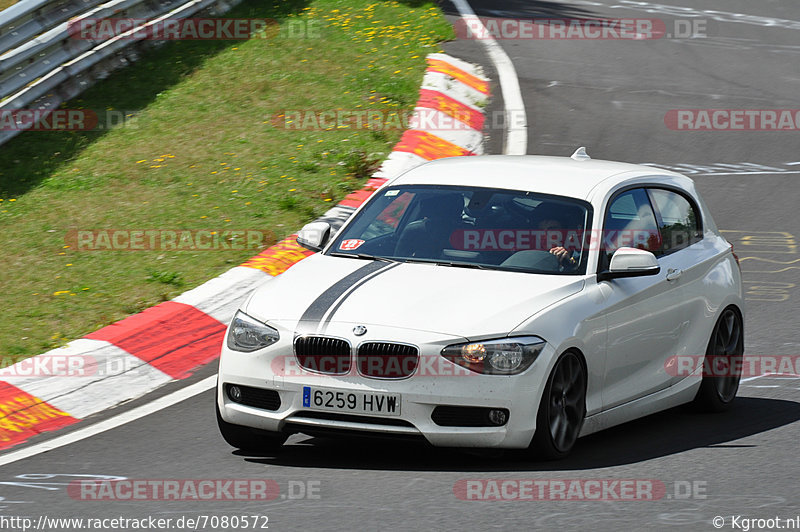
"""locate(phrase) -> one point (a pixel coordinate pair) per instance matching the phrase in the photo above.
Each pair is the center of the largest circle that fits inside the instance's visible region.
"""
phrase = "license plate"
(385, 404)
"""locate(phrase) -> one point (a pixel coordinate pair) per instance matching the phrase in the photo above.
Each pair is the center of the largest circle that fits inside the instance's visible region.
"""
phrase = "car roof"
(561, 176)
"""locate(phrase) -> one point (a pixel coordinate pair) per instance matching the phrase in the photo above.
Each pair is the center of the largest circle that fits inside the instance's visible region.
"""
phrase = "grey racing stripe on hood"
(331, 299)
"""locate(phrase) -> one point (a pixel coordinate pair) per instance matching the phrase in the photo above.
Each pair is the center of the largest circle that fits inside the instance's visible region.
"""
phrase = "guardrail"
(42, 64)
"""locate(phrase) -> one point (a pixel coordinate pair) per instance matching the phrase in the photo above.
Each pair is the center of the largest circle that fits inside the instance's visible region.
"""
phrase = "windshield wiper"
(439, 262)
(363, 256)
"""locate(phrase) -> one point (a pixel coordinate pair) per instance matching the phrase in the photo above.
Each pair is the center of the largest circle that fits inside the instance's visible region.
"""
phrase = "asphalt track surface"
(610, 96)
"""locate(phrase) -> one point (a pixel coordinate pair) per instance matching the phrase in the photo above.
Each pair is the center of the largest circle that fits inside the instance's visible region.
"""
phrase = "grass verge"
(199, 149)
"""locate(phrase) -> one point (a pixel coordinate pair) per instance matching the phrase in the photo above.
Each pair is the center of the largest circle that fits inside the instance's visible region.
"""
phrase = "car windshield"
(470, 227)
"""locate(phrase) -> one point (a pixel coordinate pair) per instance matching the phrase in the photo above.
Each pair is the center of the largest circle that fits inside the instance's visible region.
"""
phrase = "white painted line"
(516, 119)
(111, 423)
(774, 375)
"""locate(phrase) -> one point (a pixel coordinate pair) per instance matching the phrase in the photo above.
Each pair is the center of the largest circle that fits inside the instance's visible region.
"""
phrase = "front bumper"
(437, 382)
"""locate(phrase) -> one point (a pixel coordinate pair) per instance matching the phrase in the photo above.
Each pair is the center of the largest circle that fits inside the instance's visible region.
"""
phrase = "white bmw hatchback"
(493, 301)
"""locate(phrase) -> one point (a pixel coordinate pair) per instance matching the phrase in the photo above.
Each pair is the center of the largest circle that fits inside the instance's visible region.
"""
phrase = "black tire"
(249, 439)
(562, 409)
(725, 351)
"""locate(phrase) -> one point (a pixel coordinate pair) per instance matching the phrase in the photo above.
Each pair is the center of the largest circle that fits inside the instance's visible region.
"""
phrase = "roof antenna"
(580, 154)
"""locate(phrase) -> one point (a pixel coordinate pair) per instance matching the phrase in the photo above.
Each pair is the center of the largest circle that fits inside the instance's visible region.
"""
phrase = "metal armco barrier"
(42, 65)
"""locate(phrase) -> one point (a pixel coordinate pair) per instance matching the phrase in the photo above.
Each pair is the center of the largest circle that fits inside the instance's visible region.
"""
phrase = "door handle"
(673, 274)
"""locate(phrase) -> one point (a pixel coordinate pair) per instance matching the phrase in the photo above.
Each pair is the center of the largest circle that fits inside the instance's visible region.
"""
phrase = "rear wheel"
(249, 439)
(722, 366)
(562, 409)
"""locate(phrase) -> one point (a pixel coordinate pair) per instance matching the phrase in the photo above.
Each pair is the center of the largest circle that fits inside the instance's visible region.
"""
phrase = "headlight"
(507, 356)
(247, 334)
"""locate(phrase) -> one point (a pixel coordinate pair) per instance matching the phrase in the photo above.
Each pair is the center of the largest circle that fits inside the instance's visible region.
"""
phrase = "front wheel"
(562, 409)
(722, 366)
(249, 439)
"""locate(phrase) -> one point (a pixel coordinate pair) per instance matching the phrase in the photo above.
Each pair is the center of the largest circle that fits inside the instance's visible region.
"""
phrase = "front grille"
(368, 420)
(464, 416)
(256, 397)
(323, 354)
(385, 360)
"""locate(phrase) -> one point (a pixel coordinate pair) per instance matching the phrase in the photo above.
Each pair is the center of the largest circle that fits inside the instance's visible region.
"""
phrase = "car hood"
(468, 303)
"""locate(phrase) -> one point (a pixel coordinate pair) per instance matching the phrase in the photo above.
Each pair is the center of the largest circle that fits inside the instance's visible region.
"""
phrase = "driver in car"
(550, 219)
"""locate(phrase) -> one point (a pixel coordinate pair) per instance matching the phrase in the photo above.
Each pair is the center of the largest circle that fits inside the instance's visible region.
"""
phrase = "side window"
(630, 222)
(678, 219)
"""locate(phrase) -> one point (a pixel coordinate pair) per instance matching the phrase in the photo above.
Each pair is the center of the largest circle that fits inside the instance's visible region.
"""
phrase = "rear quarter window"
(678, 219)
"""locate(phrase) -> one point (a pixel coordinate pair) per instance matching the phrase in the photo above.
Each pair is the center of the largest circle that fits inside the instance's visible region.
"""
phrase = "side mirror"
(630, 262)
(314, 236)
